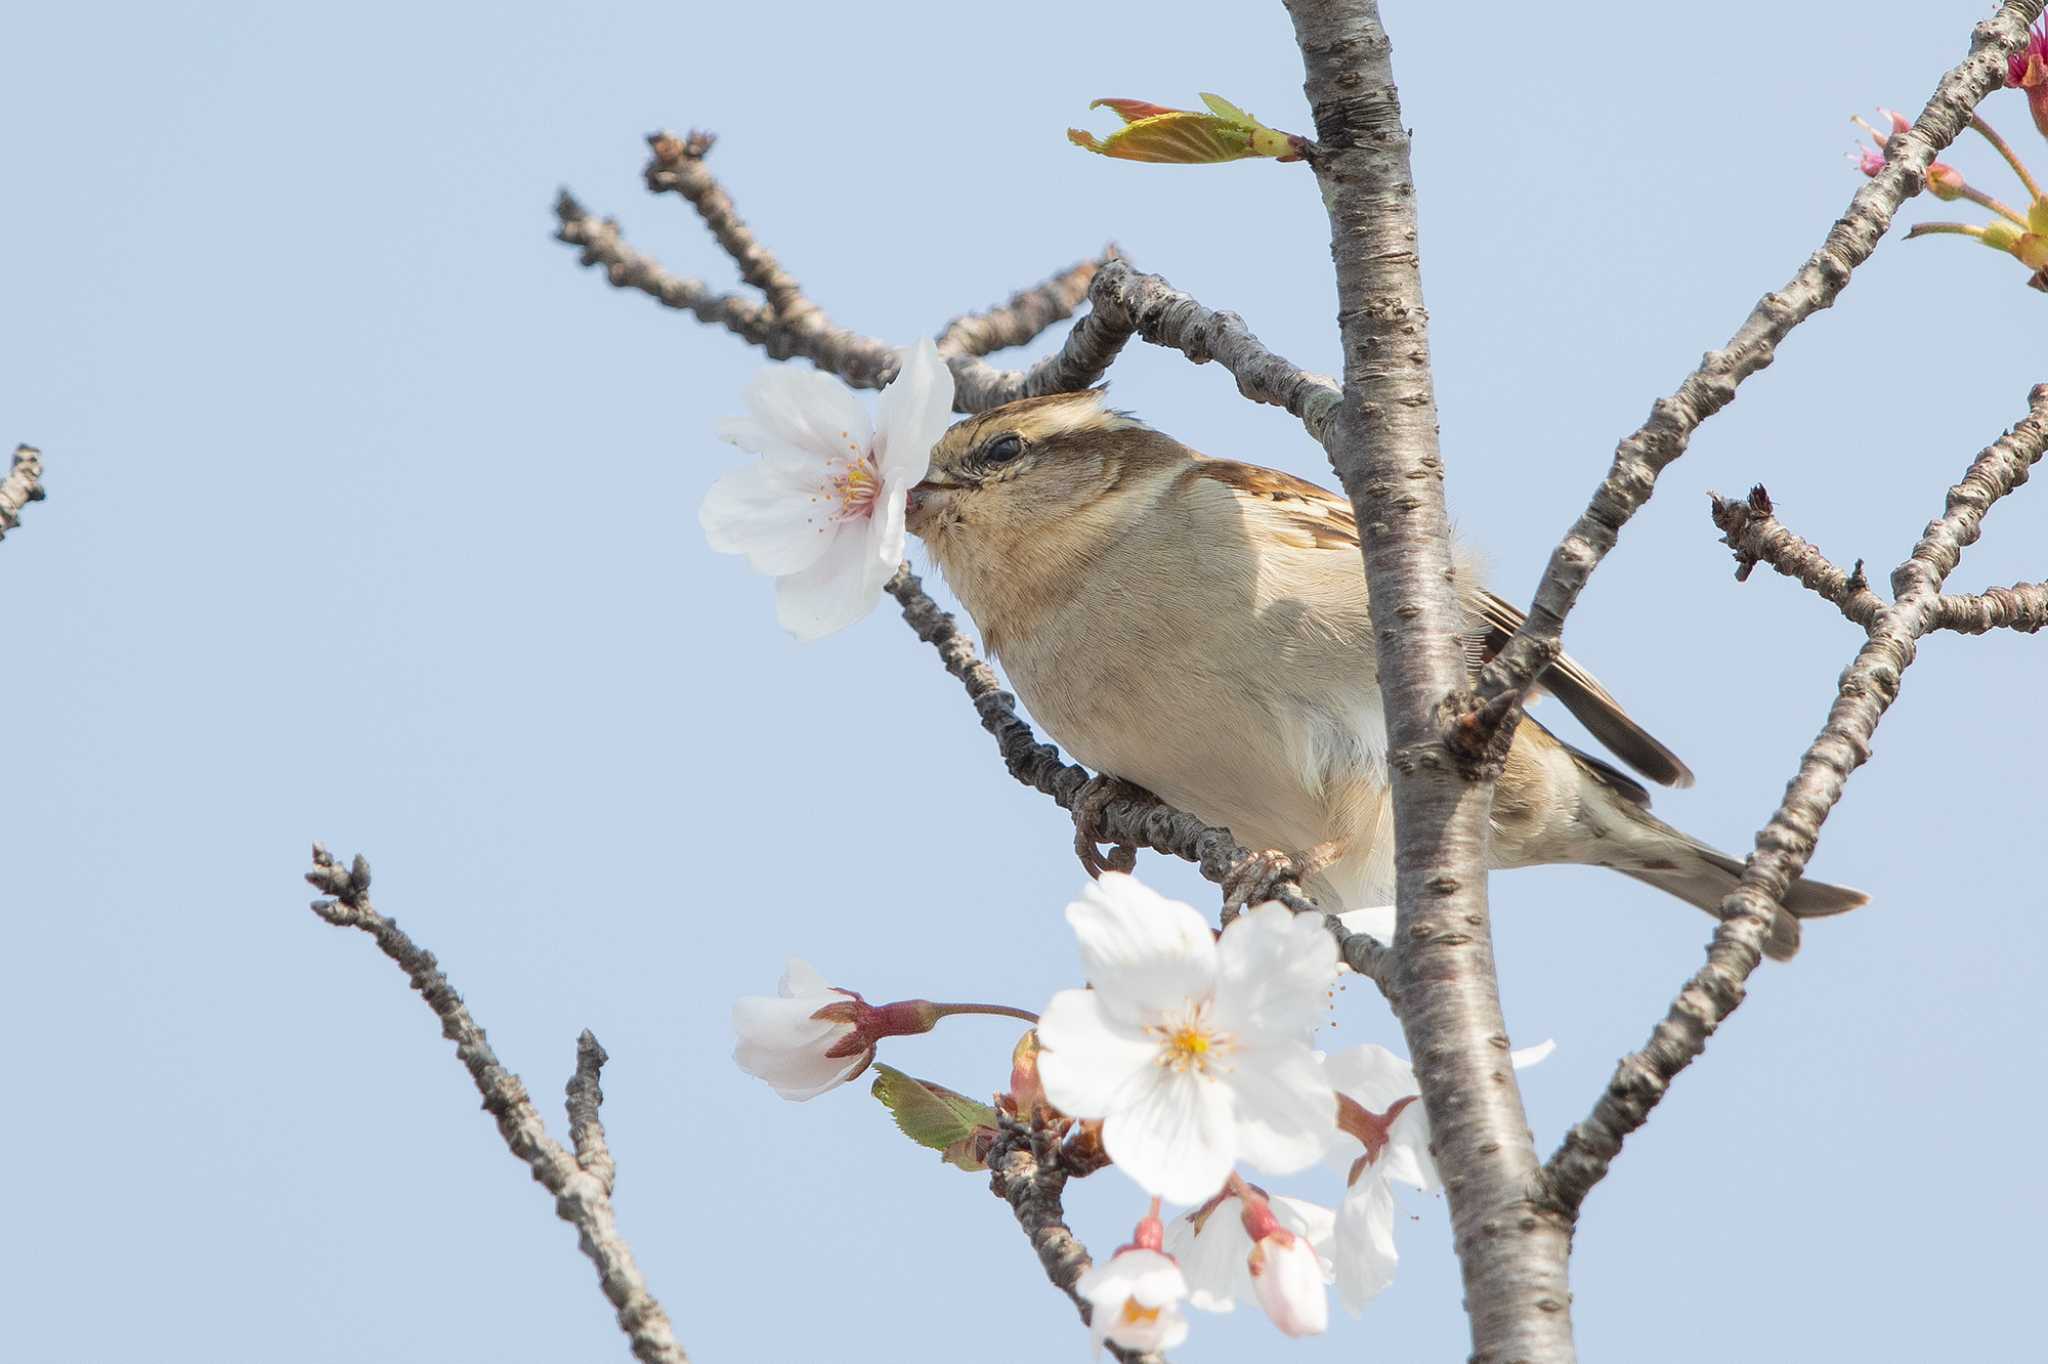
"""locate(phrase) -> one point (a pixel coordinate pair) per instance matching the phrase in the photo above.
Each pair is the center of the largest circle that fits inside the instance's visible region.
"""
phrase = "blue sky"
(372, 518)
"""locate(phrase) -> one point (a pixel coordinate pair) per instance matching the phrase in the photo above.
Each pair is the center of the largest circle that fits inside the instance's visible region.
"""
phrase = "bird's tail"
(1701, 876)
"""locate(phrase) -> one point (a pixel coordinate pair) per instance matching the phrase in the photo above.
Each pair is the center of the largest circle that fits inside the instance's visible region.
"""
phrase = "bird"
(1198, 627)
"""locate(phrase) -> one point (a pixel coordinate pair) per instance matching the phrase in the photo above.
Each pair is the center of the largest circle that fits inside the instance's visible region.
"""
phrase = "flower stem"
(1930, 229)
(1000, 1010)
(1979, 197)
(2012, 159)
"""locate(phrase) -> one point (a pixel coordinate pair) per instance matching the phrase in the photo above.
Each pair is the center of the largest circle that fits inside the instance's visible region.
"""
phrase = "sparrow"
(1198, 627)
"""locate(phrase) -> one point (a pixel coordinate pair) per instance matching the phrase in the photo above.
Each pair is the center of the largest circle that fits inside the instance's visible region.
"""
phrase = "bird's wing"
(1580, 692)
(1308, 517)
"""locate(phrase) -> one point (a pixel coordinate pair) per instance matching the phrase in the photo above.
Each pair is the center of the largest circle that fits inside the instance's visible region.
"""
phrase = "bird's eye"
(1002, 449)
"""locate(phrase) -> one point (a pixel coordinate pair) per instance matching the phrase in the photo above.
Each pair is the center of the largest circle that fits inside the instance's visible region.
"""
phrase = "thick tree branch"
(1868, 687)
(1652, 447)
(581, 1183)
(1512, 1249)
(23, 485)
(1140, 822)
(1025, 1171)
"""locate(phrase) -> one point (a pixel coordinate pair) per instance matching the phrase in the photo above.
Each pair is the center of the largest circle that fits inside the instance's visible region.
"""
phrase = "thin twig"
(1652, 447)
(1868, 687)
(1148, 823)
(1027, 313)
(23, 485)
(1756, 535)
(1123, 303)
(1126, 303)
(1025, 1171)
(581, 1183)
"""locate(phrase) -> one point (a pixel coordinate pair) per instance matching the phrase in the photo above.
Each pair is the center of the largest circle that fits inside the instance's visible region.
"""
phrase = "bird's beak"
(924, 500)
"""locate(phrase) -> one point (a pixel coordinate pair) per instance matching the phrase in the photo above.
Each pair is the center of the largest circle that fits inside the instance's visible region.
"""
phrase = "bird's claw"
(1258, 879)
(1089, 836)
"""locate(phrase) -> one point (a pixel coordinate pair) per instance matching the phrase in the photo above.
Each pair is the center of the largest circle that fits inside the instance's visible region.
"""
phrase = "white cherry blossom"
(783, 1041)
(1134, 1301)
(822, 509)
(1191, 1049)
(1215, 1253)
(1385, 1137)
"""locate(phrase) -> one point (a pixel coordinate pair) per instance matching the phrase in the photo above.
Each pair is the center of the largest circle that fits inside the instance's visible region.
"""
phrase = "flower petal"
(760, 511)
(1147, 955)
(1286, 1111)
(833, 593)
(1375, 921)
(1171, 1131)
(1372, 1075)
(1214, 1258)
(1288, 1280)
(1407, 1156)
(1086, 1057)
(1525, 1057)
(802, 407)
(912, 413)
(1274, 972)
(1365, 1254)
(800, 978)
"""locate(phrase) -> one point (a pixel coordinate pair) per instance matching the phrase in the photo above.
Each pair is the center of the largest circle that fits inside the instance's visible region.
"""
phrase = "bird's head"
(1017, 494)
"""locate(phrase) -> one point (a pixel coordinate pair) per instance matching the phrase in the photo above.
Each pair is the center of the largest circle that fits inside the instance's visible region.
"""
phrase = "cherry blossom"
(1134, 1300)
(1216, 1251)
(821, 510)
(1191, 1049)
(796, 1039)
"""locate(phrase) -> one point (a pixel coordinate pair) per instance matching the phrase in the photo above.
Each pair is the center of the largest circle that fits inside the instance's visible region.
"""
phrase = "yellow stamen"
(1134, 1315)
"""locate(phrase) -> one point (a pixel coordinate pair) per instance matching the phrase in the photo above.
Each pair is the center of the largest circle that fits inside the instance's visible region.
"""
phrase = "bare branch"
(2022, 607)
(860, 360)
(23, 485)
(1123, 304)
(1652, 447)
(582, 1183)
(586, 1129)
(1868, 687)
(1027, 314)
(678, 165)
(1025, 1171)
(1755, 534)
(1148, 823)
(1513, 1250)
(1126, 303)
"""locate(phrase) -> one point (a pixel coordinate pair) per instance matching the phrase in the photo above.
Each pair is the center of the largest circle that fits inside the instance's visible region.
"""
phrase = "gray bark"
(1512, 1247)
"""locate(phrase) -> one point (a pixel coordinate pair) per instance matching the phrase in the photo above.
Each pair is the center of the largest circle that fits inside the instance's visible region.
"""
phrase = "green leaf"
(932, 1115)
(1153, 132)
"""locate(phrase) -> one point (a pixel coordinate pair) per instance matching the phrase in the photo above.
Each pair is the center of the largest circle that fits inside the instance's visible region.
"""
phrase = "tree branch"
(1750, 529)
(1868, 687)
(23, 485)
(1027, 314)
(1025, 1171)
(1123, 303)
(2022, 607)
(581, 1183)
(1512, 1249)
(1147, 822)
(1651, 448)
